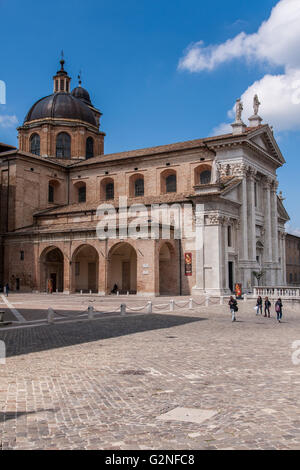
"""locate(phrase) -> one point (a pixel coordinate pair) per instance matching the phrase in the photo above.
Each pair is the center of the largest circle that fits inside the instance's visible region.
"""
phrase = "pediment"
(263, 139)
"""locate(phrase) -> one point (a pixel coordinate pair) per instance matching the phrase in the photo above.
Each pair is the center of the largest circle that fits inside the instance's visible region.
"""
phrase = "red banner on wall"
(188, 264)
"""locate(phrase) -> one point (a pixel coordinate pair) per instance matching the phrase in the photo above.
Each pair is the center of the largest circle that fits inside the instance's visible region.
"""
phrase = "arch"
(89, 148)
(35, 144)
(81, 191)
(122, 268)
(63, 145)
(107, 189)
(136, 185)
(85, 269)
(202, 174)
(168, 181)
(168, 270)
(52, 269)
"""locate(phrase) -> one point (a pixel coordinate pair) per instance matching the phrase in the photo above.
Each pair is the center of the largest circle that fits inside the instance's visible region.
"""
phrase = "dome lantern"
(61, 81)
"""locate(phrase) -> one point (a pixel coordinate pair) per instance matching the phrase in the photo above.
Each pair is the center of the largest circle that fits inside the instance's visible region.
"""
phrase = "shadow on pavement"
(42, 338)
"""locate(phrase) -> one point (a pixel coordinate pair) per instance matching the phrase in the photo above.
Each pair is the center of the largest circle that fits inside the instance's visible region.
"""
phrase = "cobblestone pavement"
(103, 384)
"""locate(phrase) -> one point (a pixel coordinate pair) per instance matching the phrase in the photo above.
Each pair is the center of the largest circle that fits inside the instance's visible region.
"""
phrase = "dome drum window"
(35, 143)
(63, 145)
(89, 150)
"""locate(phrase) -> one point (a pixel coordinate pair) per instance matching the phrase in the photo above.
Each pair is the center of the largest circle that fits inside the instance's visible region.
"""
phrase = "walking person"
(267, 307)
(278, 308)
(259, 304)
(233, 308)
(6, 289)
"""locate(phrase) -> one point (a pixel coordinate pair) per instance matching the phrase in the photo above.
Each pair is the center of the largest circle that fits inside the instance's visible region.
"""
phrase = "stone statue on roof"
(256, 104)
(238, 110)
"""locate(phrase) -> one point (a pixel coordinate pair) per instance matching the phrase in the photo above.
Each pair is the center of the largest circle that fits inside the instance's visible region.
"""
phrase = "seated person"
(115, 289)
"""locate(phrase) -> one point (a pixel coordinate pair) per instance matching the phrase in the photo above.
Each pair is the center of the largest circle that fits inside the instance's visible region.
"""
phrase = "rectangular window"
(50, 193)
(82, 194)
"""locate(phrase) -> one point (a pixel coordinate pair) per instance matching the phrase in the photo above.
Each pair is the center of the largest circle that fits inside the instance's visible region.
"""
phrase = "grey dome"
(61, 105)
(82, 94)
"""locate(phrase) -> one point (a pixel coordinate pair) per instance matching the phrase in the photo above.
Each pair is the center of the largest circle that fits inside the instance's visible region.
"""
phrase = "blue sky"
(129, 53)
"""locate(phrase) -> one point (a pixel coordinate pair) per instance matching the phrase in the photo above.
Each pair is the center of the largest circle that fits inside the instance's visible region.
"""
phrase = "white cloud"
(292, 230)
(7, 120)
(277, 43)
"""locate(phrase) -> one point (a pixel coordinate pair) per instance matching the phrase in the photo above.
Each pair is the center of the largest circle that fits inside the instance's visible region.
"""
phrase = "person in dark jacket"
(278, 308)
(267, 307)
(259, 304)
(7, 289)
(233, 308)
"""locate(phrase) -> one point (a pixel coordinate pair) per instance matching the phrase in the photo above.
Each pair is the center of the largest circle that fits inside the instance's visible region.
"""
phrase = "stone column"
(283, 257)
(199, 246)
(244, 220)
(252, 213)
(275, 221)
(67, 275)
(226, 224)
(268, 222)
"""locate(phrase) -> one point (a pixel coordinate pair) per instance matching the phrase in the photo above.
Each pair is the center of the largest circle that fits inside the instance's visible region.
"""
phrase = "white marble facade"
(240, 226)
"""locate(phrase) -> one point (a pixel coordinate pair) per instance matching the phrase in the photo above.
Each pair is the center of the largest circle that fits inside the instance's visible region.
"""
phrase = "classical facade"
(53, 184)
(292, 260)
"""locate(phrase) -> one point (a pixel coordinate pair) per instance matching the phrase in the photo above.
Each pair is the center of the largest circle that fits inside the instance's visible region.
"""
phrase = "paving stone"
(67, 386)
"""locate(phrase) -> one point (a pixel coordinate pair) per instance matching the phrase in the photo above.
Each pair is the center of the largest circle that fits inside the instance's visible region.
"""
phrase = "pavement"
(188, 379)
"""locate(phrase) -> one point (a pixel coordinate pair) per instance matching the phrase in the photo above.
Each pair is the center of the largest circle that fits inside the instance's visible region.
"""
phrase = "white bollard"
(171, 305)
(118, 293)
(51, 314)
(221, 300)
(90, 291)
(191, 304)
(128, 292)
(81, 292)
(123, 309)
(149, 307)
(57, 291)
(90, 312)
(245, 297)
(206, 301)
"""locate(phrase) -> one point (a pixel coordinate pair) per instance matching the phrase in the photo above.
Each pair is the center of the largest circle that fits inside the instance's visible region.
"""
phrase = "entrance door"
(92, 276)
(53, 278)
(230, 275)
(126, 276)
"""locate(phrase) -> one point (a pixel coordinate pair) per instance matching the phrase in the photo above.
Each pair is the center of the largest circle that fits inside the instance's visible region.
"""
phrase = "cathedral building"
(54, 183)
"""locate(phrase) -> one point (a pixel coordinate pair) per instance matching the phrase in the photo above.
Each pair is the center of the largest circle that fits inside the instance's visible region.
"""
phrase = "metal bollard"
(90, 312)
(171, 305)
(51, 314)
(123, 309)
(149, 307)
(2, 312)
(191, 304)
(206, 301)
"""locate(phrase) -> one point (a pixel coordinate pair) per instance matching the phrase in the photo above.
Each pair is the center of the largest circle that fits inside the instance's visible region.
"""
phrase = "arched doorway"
(52, 269)
(85, 264)
(122, 268)
(168, 270)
